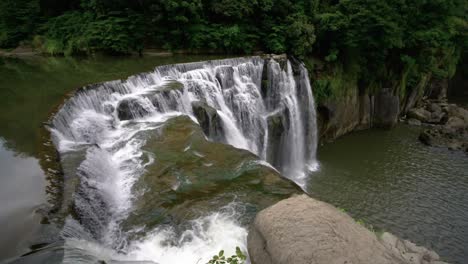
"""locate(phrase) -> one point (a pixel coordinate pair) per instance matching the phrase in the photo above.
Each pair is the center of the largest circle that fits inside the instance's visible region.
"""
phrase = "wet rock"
(167, 97)
(420, 114)
(131, 108)
(225, 76)
(278, 124)
(387, 108)
(192, 176)
(407, 250)
(209, 120)
(453, 139)
(171, 86)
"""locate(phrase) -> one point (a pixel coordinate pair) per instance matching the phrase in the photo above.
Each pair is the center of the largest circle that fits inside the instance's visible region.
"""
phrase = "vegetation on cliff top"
(379, 40)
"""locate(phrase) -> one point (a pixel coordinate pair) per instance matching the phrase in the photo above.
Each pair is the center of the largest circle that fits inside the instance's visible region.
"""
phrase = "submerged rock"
(302, 230)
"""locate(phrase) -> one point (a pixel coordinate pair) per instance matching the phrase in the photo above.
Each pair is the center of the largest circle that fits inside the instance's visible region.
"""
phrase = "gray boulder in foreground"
(302, 230)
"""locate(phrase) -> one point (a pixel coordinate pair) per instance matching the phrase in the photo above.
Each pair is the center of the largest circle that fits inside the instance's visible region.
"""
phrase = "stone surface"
(302, 230)
(386, 109)
(209, 120)
(420, 114)
(413, 122)
(130, 108)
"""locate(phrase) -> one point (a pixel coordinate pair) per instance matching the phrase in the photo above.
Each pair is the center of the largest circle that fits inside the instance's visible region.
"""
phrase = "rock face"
(387, 109)
(131, 108)
(209, 120)
(302, 230)
(359, 108)
(277, 125)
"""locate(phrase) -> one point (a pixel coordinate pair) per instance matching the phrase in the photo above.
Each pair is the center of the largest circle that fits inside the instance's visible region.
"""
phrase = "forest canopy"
(410, 36)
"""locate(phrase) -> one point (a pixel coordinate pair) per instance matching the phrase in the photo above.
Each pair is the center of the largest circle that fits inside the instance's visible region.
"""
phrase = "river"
(386, 178)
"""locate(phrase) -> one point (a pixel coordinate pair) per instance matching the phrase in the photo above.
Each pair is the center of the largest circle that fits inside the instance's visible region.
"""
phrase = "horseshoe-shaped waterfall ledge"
(171, 166)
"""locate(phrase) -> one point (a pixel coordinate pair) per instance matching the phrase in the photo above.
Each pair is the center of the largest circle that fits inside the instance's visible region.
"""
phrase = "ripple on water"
(393, 182)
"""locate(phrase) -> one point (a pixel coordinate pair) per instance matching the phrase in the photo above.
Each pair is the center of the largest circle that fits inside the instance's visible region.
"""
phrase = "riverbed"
(385, 178)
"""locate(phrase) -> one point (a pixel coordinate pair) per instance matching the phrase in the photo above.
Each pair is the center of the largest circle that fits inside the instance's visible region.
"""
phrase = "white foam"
(206, 237)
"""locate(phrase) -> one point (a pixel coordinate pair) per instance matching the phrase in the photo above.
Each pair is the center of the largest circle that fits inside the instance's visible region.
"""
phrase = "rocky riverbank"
(447, 124)
(301, 229)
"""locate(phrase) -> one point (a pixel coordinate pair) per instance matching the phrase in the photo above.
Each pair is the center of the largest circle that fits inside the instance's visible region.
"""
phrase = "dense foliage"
(376, 40)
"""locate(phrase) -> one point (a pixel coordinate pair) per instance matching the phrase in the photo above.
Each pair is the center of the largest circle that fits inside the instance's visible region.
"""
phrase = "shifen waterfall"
(260, 109)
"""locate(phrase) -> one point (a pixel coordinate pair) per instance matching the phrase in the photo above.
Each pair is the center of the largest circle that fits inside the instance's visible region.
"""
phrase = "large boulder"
(302, 230)
(387, 109)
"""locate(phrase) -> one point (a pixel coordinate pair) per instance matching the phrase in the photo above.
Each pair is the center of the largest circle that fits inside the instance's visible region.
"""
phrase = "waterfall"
(261, 105)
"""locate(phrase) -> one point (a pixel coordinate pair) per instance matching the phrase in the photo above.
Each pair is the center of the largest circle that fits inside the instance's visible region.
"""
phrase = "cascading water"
(264, 106)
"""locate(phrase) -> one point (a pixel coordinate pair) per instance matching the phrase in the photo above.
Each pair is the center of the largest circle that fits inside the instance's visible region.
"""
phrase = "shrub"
(238, 258)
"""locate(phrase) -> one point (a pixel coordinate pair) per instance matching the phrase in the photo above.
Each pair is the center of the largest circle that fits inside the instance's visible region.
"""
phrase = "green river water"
(386, 178)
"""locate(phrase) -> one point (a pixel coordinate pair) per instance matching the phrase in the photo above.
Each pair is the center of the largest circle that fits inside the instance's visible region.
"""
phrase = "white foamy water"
(259, 105)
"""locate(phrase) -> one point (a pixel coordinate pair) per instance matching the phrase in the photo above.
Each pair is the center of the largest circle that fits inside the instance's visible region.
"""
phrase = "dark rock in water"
(302, 230)
(277, 128)
(387, 108)
(453, 139)
(427, 136)
(209, 120)
(225, 76)
(167, 96)
(130, 108)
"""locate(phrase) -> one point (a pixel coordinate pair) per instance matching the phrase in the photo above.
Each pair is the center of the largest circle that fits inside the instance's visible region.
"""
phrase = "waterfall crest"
(264, 106)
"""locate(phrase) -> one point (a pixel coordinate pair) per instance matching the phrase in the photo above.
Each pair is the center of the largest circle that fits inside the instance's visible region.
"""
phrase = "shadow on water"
(394, 183)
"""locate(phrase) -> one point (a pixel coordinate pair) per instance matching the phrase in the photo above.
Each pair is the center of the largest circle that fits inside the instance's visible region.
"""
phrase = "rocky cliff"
(359, 109)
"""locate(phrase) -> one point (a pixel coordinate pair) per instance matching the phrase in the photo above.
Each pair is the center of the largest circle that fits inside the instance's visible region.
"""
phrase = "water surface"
(391, 181)
(386, 178)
